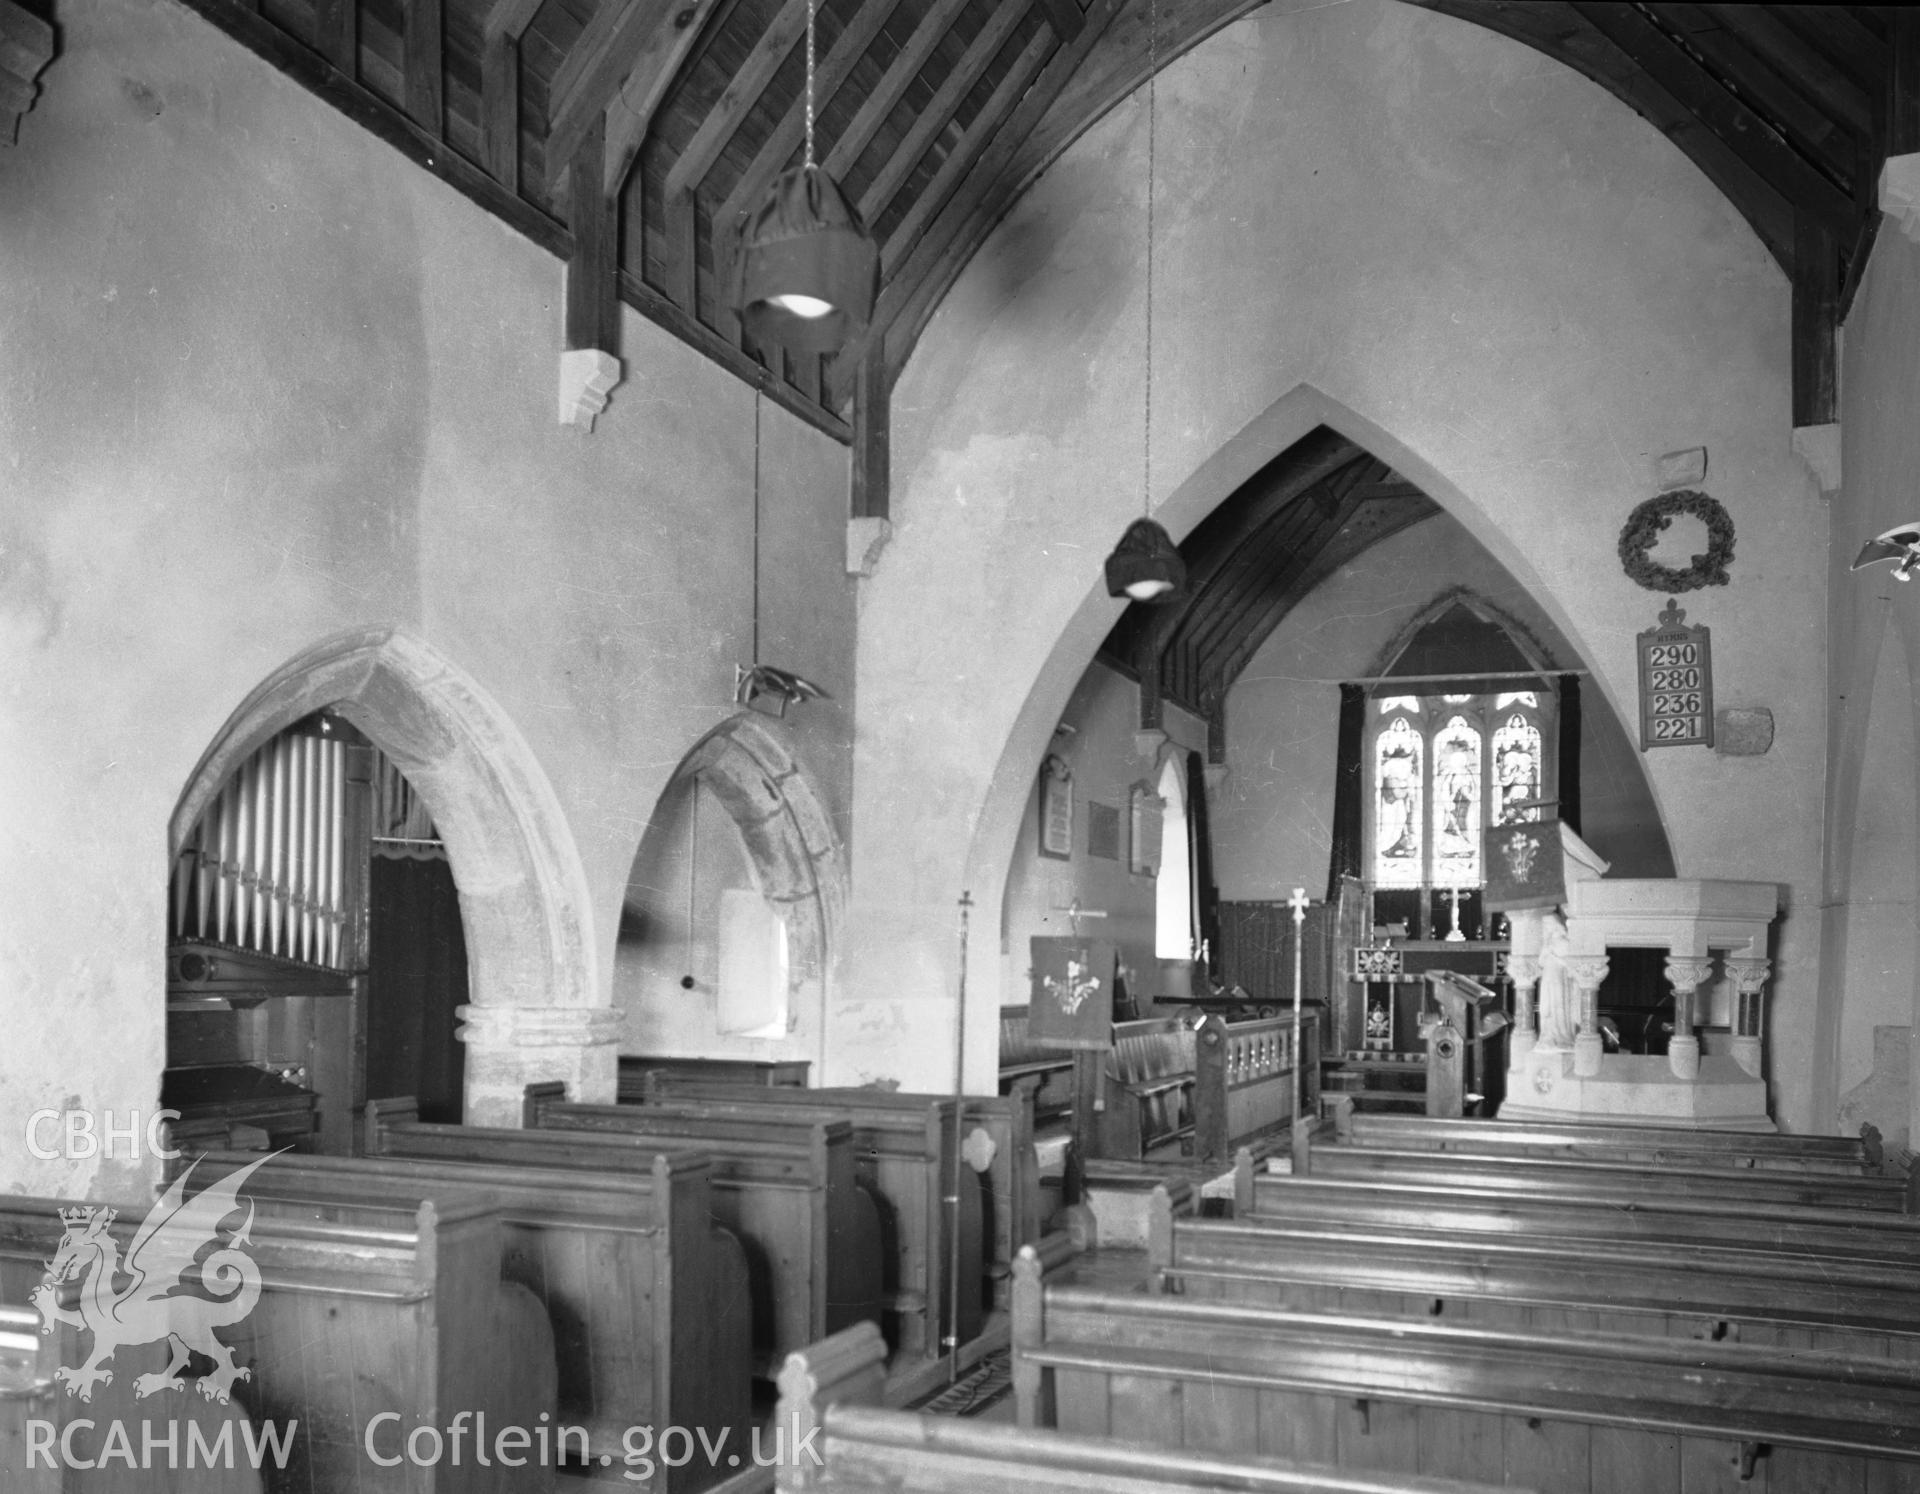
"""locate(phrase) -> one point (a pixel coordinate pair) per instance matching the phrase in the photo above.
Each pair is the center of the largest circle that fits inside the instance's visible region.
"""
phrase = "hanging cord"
(755, 656)
(1146, 444)
(810, 14)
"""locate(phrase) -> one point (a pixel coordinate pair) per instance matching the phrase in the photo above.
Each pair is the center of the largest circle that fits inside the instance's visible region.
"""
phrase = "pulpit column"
(1683, 1049)
(1525, 975)
(1586, 972)
(1749, 977)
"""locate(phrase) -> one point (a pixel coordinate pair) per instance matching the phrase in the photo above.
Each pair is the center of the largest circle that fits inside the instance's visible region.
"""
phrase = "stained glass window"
(1400, 703)
(1516, 697)
(1456, 805)
(1397, 819)
(1516, 768)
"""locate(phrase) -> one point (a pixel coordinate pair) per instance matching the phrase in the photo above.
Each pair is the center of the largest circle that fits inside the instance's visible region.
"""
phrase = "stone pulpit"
(1714, 934)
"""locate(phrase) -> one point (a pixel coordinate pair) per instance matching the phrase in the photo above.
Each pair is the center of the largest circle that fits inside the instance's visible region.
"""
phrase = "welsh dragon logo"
(150, 1296)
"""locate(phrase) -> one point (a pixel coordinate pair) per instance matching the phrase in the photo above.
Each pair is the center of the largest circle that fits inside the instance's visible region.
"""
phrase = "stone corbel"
(1818, 446)
(26, 47)
(587, 377)
(1900, 192)
(866, 538)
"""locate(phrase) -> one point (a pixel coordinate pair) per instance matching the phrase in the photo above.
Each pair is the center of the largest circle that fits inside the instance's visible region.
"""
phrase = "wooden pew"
(647, 1298)
(35, 1413)
(1146, 1088)
(1051, 1069)
(778, 1073)
(827, 1396)
(1574, 1177)
(1698, 1291)
(898, 1169)
(1736, 1224)
(1583, 1414)
(810, 1234)
(1621, 1143)
(364, 1310)
(1244, 1081)
(905, 1143)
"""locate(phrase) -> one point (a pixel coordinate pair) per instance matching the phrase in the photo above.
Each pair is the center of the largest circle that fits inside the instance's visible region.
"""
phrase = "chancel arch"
(732, 920)
(536, 1009)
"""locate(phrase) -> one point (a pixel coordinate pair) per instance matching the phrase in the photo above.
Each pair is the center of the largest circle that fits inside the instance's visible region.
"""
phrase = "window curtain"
(1206, 897)
(1569, 748)
(1343, 859)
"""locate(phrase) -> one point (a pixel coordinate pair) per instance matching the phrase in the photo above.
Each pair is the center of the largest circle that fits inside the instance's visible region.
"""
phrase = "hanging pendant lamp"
(1146, 565)
(807, 271)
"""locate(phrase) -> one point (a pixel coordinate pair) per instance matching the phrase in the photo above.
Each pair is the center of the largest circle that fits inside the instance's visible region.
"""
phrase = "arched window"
(1442, 768)
(1173, 881)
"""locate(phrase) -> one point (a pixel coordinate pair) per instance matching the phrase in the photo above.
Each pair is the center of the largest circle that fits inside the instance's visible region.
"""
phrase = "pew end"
(537, 1096)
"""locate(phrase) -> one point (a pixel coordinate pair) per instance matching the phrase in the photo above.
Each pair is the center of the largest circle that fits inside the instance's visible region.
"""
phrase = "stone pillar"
(1685, 972)
(1749, 977)
(1525, 975)
(510, 1047)
(1586, 972)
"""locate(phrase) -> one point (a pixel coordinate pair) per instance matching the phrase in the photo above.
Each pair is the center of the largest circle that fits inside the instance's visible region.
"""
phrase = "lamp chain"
(755, 657)
(1146, 457)
(810, 14)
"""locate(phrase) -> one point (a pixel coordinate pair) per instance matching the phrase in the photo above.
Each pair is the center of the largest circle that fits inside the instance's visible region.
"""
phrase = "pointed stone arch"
(538, 1010)
(796, 858)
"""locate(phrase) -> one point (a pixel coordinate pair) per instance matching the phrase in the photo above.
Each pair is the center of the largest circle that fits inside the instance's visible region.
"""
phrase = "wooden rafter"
(1081, 82)
(1065, 17)
(1750, 136)
(509, 18)
(905, 67)
(979, 133)
(618, 71)
(787, 136)
(979, 185)
(425, 64)
(937, 116)
(740, 95)
(1822, 83)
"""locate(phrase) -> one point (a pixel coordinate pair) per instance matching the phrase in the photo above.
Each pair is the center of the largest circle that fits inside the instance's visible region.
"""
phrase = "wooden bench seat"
(778, 1073)
(1861, 1234)
(1573, 1177)
(827, 1396)
(1592, 1413)
(364, 1309)
(1696, 1291)
(646, 1297)
(904, 1142)
(1147, 1088)
(1626, 1143)
(810, 1233)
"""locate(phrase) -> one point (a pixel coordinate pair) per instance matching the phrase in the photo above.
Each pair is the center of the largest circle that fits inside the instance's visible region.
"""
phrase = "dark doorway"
(416, 977)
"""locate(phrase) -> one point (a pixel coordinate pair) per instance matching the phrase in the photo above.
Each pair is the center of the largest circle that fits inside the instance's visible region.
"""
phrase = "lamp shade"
(807, 272)
(1145, 566)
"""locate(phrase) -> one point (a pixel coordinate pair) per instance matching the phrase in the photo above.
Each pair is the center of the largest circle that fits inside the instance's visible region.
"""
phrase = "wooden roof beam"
(938, 114)
(1808, 71)
(847, 50)
(509, 18)
(617, 72)
(1065, 16)
(740, 95)
(979, 133)
(904, 68)
(1733, 122)
(981, 181)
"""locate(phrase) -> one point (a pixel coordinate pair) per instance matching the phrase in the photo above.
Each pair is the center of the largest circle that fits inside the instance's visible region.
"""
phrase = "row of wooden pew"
(607, 1268)
(1537, 1309)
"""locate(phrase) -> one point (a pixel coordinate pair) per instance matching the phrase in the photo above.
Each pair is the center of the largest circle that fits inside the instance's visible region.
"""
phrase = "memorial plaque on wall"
(1071, 1003)
(1676, 683)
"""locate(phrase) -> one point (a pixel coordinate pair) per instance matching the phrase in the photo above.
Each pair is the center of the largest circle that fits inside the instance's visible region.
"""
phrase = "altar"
(1714, 934)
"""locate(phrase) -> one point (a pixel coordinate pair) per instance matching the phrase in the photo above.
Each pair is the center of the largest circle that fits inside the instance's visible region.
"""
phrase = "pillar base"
(1683, 1057)
(1587, 1050)
(1746, 1053)
(510, 1047)
(1638, 1090)
(1519, 1045)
